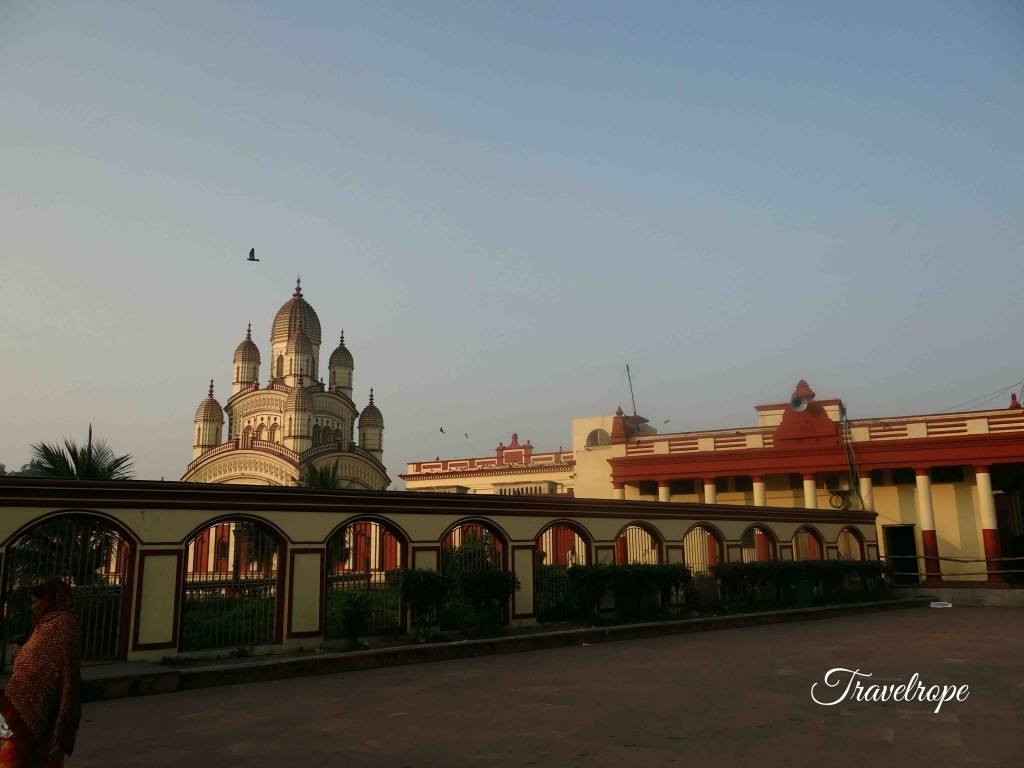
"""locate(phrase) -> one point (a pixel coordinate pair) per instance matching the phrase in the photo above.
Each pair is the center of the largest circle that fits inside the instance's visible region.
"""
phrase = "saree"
(41, 701)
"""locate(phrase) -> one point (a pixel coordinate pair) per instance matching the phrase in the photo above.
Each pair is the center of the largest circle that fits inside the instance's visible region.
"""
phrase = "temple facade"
(297, 425)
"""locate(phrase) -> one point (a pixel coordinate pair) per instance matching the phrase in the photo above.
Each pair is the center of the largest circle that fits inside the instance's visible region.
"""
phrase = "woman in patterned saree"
(40, 708)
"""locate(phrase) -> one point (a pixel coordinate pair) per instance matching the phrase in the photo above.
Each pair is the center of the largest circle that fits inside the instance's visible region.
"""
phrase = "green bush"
(770, 584)
(356, 609)
(422, 591)
(217, 622)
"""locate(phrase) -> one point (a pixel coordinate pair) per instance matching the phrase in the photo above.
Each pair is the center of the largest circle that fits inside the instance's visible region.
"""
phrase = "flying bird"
(252, 255)
(443, 432)
(466, 434)
(667, 421)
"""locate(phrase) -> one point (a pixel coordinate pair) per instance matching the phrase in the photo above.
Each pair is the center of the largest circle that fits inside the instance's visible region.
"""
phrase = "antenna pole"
(630, 388)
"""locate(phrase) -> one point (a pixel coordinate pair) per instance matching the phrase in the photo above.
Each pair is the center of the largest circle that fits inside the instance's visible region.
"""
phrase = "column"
(618, 490)
(866, 490)
(760, 495)
(710, 491)
(810, 491)
(926, 519)
(664, 491)
(989, 526)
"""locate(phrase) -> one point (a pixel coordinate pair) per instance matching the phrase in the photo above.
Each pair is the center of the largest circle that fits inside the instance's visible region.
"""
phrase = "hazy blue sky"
(503, 204)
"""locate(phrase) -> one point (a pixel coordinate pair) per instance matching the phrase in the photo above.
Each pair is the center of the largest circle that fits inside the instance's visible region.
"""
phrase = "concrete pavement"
(718, 698)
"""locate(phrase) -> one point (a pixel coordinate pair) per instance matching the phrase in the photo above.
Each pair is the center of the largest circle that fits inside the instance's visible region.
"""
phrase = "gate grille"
(359, 558)
(92, 558)
(230, 595)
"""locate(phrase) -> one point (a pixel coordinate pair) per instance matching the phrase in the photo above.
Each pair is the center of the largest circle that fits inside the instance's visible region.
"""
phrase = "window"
(831, 482)
(877, 477)
(796, 481)
(682, 487)
(648, 487)
(904, 476)
(947, 474)
(744, 483)
(598, 437)
(721, 484)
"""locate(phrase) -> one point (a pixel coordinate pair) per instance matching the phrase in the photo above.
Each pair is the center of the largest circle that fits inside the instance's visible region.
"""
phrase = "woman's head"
(52, 595)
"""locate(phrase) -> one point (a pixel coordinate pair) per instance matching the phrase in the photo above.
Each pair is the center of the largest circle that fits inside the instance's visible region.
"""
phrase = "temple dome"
(295, 312)
(341, 357)
(247, 353)
(371, 417)
(299, 399)
(299, 343)
(210, 410)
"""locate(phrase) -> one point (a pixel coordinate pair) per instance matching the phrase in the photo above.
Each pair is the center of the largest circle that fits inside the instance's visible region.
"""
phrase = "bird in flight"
(466, 434)
(252, 255)
(667, 420)
(443, 432)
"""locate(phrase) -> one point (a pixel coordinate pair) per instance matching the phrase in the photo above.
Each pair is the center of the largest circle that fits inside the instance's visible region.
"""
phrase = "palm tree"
(92, 461)
(326, 476)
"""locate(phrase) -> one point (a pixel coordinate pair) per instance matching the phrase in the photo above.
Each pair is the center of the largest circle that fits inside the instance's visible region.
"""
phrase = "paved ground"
(738, 697)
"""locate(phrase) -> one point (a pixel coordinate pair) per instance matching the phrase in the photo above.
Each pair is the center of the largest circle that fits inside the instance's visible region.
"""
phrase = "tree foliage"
(93, 461)
(325, 476)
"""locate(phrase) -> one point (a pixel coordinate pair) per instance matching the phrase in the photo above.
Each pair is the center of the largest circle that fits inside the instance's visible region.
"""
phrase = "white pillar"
(925, 512)
(926, 519)
(760, 494)
(867, 493)
(810, 492)
(619, 491)
(664, 492)
(710, 492)
(986, 503)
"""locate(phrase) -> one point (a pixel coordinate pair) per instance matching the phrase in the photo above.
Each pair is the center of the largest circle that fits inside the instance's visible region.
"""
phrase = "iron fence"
(230, 591)
(88, 555)
(385, 602)
(554, 596)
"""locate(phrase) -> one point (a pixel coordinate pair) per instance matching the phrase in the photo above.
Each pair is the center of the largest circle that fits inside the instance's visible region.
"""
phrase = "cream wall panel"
(159, 585)
(306, 601)
(522, 564)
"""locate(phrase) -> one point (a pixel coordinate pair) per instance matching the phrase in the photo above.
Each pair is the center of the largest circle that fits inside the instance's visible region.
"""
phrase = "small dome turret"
(341, 367)
(371, 416)
(246, 363)
(209, 409)
(371, 430)
(299, 399)
(209, 424)
(341, 357)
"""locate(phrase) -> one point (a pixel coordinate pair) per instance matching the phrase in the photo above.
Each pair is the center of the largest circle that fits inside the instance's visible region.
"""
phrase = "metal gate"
(89, 555)
(468, 549)
(359, 558)
(230, 595)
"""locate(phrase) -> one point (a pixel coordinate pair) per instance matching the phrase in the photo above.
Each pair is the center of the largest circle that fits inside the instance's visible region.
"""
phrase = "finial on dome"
(248, 333)
(618, 411)
(342, 342)
(211, 387)
(371, 395)
(1013, 400)
(298, 287)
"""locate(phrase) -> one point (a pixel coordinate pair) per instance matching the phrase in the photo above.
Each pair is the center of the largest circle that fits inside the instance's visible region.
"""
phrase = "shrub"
(355, 614)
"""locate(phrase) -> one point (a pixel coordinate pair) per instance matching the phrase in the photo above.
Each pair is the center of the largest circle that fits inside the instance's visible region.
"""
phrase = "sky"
(503, 205)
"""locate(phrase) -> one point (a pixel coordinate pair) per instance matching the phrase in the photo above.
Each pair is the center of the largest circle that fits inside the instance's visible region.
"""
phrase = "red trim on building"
(930, 546)
(990, 537)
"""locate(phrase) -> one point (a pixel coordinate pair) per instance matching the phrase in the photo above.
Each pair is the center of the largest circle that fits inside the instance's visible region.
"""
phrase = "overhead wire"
(985, 398)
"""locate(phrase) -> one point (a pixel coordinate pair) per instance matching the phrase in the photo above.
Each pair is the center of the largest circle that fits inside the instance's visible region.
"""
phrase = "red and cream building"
(933, 480)
(513, 470)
